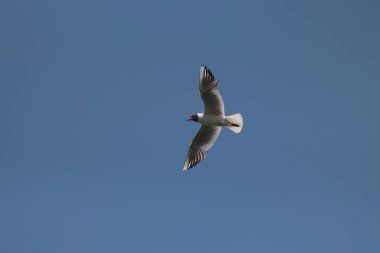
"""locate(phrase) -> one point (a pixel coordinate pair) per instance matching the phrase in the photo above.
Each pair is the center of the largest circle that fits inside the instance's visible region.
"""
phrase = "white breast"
(211, 120)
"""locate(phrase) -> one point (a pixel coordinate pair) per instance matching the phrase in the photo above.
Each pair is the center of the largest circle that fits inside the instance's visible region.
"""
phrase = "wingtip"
(185, 166)
(204, 72)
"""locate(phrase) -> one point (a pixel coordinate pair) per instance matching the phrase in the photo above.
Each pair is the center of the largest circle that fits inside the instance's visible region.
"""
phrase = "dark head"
(193, 117)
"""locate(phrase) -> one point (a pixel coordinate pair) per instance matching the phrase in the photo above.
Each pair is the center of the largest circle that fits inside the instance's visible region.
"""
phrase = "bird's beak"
(188, 119)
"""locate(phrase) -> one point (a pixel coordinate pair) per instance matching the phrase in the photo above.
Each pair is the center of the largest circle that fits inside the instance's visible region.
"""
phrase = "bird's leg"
(233, 124)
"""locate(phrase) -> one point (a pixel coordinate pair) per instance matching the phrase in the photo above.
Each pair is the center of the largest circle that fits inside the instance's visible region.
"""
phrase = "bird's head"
(193, 117)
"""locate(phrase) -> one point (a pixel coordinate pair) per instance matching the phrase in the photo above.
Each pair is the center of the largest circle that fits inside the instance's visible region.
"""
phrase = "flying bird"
(212, 120)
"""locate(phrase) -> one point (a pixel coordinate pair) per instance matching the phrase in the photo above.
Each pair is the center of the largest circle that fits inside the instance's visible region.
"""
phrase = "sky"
(93, 101)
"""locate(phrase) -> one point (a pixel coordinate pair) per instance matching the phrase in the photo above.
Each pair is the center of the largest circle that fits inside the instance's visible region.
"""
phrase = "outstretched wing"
(208, 90)
(202, 142)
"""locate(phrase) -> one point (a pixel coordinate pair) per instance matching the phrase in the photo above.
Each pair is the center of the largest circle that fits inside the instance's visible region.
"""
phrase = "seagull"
(212, 120)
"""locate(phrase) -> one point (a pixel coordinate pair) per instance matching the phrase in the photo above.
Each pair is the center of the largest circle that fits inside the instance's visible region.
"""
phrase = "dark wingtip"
(208, 71)
(204, 66)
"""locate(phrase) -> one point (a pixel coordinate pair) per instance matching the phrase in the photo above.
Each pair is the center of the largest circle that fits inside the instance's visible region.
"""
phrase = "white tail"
(236, 122)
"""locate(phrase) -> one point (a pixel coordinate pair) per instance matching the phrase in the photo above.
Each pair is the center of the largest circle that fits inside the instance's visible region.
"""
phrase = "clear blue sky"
(93, 101)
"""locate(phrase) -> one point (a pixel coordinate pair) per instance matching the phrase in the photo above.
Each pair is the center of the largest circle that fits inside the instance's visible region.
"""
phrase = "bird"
(212, 120)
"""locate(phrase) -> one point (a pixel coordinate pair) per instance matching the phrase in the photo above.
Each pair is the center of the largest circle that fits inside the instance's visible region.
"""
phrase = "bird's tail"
(235, 122)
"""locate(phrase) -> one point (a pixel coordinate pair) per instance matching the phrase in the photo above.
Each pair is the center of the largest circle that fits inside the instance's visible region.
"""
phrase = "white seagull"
(212, 120)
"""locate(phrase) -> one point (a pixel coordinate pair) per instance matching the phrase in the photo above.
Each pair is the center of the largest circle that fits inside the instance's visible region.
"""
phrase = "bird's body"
(212, 120)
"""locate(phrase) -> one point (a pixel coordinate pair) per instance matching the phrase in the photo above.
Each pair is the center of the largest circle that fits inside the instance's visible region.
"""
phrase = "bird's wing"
(202, 142)
(208, 90)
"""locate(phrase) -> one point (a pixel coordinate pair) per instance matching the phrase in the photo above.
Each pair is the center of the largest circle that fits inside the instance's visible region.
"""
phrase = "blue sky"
(93, 101)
